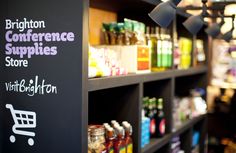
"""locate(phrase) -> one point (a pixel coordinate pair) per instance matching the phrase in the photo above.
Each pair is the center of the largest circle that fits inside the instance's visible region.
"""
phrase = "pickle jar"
(97, 143)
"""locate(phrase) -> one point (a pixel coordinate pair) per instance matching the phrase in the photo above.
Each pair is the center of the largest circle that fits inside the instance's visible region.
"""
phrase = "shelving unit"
(120, 97)
(63, 116)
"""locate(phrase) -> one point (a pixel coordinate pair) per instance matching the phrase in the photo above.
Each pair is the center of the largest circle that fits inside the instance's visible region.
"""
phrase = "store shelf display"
(120, 96)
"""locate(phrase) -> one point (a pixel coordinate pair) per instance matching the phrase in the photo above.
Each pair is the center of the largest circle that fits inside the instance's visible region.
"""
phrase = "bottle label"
(143, 58)
(130, 148)
(111, 151)
(122, 150)
(153, 126)
(162, 126)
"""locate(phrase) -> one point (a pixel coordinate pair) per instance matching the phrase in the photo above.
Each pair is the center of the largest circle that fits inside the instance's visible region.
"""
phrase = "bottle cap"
(124, 122)
(114, 122)
(105, 124)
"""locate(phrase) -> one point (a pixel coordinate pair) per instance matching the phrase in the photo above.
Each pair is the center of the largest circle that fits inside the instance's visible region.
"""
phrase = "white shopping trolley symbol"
(23, 120)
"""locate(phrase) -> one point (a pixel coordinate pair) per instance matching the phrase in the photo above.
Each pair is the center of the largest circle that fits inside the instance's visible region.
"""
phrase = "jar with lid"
(89, 151)
(97, 139)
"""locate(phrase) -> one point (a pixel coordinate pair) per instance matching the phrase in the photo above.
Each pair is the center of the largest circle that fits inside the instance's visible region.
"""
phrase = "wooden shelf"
(111, 82)
(156, 144)
(187, 125)
(118, 81)
(191, 71)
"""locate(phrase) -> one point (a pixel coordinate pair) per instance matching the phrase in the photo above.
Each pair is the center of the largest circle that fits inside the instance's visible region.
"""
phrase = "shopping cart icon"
(22, 120)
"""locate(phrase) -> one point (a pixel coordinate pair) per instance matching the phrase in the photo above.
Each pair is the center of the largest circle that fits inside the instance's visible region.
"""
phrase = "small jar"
(97, 139)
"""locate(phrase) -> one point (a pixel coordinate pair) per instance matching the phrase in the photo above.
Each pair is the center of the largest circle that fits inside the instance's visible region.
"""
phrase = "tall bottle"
(165, 49)
(110, 136)
(151, 115)
(170, 49)
(160, 119)
(147, 35)
(145, 105)
(152, 43)
(128, 139)
(160, 49)
(119, 145)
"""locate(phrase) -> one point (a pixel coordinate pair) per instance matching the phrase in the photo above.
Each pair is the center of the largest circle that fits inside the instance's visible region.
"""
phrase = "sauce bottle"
(119, 145)
(110, 136)
(128, 139)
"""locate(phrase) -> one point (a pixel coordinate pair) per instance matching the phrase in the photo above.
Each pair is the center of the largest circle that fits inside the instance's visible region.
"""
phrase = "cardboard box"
(134, 58)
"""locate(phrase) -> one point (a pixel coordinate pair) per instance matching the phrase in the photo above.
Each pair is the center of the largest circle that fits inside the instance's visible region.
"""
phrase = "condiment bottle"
(110, 136)
(106, 125)
(113, 123)
(128, 139)
(119, 145)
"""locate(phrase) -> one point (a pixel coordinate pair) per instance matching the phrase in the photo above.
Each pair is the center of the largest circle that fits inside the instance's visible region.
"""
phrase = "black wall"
(59, 115)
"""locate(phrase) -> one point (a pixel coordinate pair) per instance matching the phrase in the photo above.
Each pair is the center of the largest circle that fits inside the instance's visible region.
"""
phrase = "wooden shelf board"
(118, 81)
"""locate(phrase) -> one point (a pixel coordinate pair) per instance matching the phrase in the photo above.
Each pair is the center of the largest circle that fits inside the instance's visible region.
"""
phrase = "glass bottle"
(110, 136)
(147, 35)
(151, 115)
(119, 143)
(160, 119)
(165, 48)
(128, 139)
(170, 50)
(159, 48)
(145, 105)
(152, 44)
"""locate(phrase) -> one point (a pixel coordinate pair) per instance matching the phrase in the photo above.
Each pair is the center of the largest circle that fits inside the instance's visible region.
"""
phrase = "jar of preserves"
(97, 139)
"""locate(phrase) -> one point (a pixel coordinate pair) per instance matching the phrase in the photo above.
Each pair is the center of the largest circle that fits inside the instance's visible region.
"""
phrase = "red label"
(152, 126)
(162, 126)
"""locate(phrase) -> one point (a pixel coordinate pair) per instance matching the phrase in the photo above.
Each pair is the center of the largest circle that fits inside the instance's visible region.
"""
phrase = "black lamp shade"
(193, 24)
(228, 36)
(176, 2)
(163, 13)
(213, 30)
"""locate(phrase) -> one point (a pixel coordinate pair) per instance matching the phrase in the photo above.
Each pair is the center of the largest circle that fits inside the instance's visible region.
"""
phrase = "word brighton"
(22, 25)
(31, 88)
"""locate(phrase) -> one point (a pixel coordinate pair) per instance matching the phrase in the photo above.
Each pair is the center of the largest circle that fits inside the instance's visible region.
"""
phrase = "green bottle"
(152, 43)
(160, 49)
(160, 119)
(165, 48)
(170, 50)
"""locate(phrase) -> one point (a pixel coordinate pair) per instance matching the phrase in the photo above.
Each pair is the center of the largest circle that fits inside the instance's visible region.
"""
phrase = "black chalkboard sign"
(41, 76)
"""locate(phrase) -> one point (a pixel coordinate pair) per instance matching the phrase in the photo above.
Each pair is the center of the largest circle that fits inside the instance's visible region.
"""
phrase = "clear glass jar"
(97, 139)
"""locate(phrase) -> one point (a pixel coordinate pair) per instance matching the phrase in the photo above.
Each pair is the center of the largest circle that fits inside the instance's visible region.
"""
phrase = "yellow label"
(130, 148)
(111, 151)
(122, 150)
